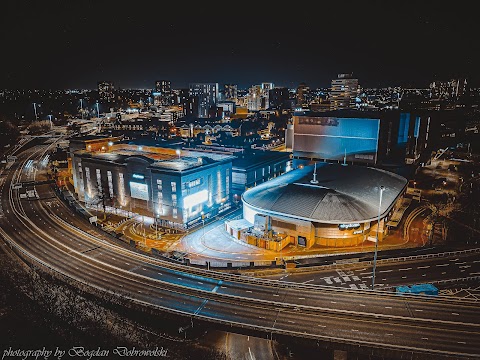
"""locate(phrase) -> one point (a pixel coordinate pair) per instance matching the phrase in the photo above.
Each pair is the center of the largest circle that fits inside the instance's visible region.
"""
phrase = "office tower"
(278, 98)
(302, 94)
(106, 90)
(230, 92)
(207, 94)
(266, 87)
(343, 92)
(163, 94)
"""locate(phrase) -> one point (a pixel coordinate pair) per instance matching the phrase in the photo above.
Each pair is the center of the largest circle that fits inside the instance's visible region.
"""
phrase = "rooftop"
(166, 158)
(343, 193)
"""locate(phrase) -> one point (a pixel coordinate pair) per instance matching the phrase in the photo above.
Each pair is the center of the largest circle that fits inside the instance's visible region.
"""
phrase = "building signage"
(348, 226)
(138, 176)
(139, 191)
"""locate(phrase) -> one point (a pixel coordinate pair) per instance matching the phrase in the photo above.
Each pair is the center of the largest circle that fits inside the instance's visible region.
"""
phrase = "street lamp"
(203, 223)
(35, 110)
(50, 118)
(98, 111)
(382, 188)
(81, 107)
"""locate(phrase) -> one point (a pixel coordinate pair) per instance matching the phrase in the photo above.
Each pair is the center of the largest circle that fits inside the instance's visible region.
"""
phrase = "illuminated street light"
(98, 111)
(35, 110)
(382, 188)
(81, 107)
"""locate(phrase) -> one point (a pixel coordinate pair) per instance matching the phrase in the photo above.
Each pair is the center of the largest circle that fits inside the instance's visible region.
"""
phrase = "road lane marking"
(385, 271)
(442, 265)
(301, 298)
(388, 307)
(406, 269)
(323, 326)
(361, 305)
(249, 291)
(276, 295)
(462, 342)
(423, 267)
(250, 352)
(424, 338)
(389, 334)
(418, 310)
(455, 314)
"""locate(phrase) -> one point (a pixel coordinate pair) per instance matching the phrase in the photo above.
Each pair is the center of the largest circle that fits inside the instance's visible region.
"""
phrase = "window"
(110, 184)
(227, 182)
(159, 184)
(174, 186)
(99, 177)
(121, 181)
(87, 173)
(175, 212)
(193, 183)
(174, 199)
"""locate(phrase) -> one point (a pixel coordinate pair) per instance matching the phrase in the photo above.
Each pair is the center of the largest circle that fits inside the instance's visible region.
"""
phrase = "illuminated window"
(174, 186)
(174, 212)
(174, 199)
(99, 177)
(227, 182)
(110, 184)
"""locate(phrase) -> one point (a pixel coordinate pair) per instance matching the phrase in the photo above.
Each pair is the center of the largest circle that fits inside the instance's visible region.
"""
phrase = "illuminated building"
(207, 95)
(349, 136)
(106, 90)
(173, 186)
(230, 92)
(324, 204)
(303, 93)
(163, 94)
(343, 92)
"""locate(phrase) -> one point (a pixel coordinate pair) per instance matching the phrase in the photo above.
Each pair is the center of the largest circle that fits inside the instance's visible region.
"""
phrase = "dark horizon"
(59, 46)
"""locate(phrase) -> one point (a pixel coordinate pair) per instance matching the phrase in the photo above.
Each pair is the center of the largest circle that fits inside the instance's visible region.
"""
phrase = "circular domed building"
(325, 204)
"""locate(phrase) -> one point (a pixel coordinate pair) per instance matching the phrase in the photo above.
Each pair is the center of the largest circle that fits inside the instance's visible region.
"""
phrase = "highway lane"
(293, 296)
(84, 270)
(390, 274)
(305, 297)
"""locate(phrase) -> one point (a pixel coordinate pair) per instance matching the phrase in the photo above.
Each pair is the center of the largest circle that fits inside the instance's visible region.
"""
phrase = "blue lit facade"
(172, 188)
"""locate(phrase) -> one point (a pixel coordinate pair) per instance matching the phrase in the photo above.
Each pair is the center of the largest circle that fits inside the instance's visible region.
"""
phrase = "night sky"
(74, 44)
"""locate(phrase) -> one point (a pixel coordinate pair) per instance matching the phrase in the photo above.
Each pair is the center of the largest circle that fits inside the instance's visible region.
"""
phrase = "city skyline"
(65, 47)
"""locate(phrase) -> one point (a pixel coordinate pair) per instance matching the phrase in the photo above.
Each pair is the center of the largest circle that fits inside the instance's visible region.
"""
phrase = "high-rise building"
(343, 92)
(266, 87)
(106, 90)
(207, 94)
(163, 94)
(452, 89)
(230, 92)
(278, 98)
(302, 94)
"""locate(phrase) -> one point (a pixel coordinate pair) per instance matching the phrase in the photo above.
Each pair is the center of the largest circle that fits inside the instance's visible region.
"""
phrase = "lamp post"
(35, 110)
(50, 118)
(382, 188)
(81, 108)
(203, 223)
(98, 111)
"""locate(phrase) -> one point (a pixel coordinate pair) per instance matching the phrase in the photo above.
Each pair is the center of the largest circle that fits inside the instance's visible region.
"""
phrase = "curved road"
(52, 235)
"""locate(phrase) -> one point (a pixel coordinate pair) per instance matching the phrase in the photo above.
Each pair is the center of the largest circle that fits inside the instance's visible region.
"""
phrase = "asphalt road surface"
(47, 231)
